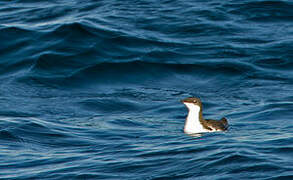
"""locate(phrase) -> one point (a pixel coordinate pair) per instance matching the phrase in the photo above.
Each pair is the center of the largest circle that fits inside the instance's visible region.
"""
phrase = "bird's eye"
(194, 101)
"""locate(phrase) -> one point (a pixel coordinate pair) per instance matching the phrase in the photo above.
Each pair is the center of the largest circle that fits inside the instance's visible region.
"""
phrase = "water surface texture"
(92, 89)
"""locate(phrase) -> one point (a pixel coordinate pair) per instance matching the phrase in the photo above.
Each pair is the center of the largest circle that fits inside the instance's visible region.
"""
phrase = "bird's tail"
(225, 122)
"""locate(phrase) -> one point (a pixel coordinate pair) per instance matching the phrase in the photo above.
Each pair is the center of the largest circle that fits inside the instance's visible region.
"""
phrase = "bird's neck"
(194, 119)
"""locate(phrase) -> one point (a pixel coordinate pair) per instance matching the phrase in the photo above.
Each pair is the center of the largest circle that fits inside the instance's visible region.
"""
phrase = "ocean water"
(92, 89)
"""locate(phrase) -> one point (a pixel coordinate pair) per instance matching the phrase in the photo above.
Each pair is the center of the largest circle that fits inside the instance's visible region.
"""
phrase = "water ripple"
(91, 90)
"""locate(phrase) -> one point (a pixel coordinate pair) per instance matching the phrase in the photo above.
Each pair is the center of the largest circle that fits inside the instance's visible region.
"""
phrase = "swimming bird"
(195, 123)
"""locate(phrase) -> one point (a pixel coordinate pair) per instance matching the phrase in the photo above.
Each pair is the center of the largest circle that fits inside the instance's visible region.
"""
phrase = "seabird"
(195, 123)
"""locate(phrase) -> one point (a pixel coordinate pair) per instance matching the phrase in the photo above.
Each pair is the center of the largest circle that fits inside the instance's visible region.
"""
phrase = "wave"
(26, 131)
(78, 49)
(134, 72)
(91, 89)
(70, 72)
(263, 11)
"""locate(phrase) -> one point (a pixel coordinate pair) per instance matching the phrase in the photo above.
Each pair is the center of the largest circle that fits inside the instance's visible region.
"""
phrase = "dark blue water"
(92, 89)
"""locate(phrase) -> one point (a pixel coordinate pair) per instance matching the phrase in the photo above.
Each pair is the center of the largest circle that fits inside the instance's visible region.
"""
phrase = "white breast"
(192, 124)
